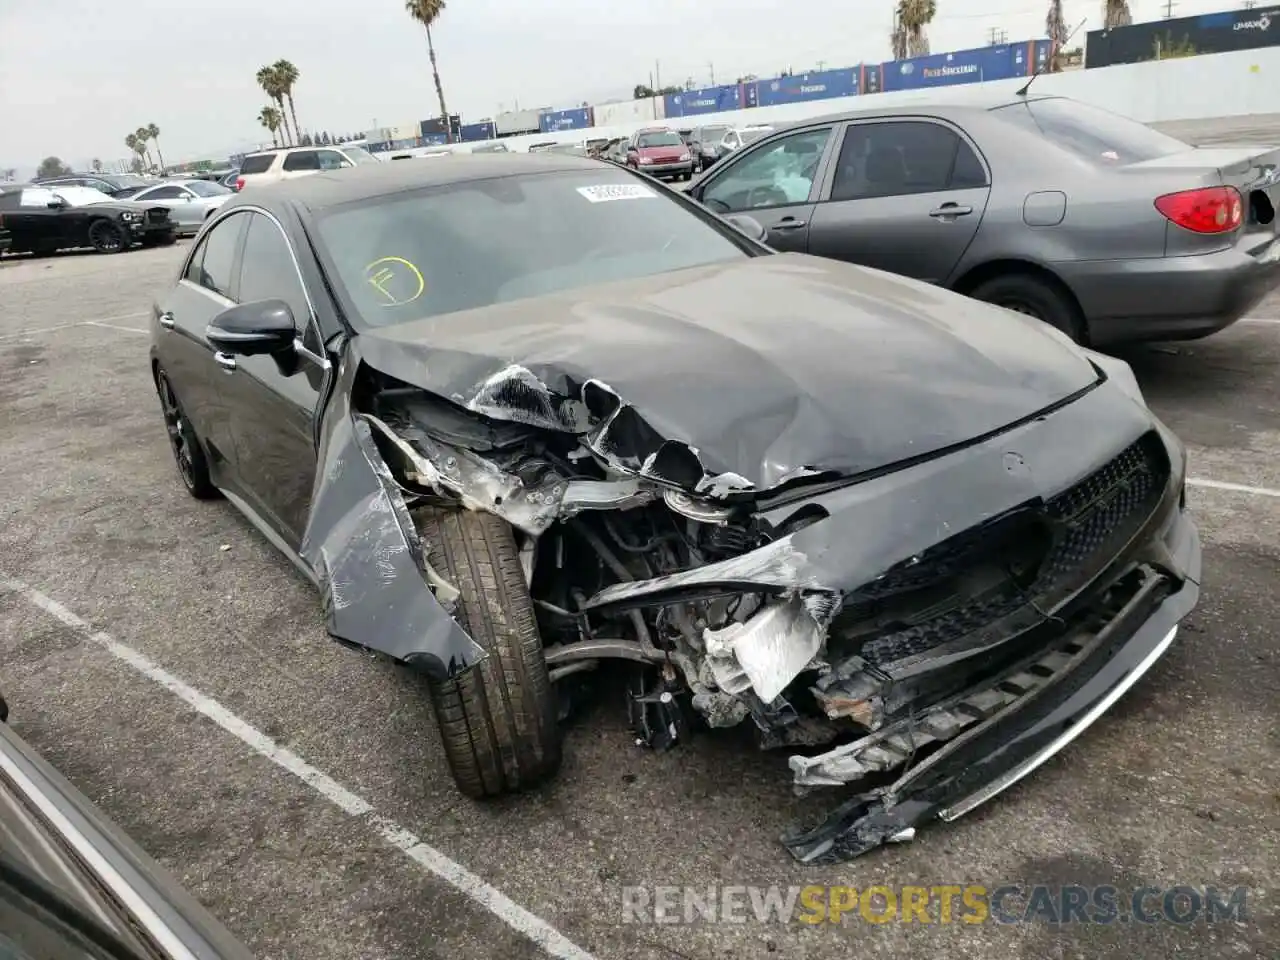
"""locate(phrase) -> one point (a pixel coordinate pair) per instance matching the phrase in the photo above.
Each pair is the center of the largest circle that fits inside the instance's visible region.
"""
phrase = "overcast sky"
(77, 75)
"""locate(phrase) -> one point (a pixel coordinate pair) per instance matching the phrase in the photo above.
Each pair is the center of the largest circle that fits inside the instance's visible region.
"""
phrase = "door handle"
(950, 210)
(226, 361)
(166, 320)
(789, 224)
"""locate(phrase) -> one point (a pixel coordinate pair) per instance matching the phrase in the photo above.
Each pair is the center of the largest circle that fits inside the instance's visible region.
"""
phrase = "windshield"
(751, 136)
(1096, 135)
(664, 139)
(711, 134)
(203, 188)
(359, 155)
(440, 250)
(81, 196)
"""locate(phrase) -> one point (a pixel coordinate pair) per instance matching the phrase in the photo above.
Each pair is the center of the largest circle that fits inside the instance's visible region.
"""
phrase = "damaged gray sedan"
(517, 416)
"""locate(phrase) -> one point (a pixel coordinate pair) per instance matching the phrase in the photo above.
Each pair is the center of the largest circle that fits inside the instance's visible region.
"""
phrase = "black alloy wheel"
(187, 453)
(107, 237)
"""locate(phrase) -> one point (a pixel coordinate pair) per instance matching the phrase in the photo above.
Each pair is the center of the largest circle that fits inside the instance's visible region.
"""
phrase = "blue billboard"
(484, 130)
(578, 118)
(802, 87)
(1000, 62)
(690, 103)
(871, 78)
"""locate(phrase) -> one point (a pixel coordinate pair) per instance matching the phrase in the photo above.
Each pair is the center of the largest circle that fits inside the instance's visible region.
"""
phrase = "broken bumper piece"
(995, 735)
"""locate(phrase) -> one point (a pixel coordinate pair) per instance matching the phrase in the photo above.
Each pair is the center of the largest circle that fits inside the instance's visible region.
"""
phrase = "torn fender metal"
(363, 548)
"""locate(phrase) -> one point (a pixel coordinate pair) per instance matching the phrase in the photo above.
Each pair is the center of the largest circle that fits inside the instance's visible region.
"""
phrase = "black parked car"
(41, 221)
(514, 415)
(119, 185)
(72, 885)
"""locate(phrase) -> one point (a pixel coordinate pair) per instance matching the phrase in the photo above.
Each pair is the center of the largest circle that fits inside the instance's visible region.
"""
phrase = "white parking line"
(1232, 487)
(108, 322)
(1267, 320)
(413, 847)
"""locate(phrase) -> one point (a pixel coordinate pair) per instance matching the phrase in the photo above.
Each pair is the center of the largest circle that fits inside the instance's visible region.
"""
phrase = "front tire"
(107, 237)
(1034, 297)
(498, 719)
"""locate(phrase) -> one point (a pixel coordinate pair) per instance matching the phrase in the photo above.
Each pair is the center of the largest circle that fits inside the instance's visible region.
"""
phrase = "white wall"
(632, 111)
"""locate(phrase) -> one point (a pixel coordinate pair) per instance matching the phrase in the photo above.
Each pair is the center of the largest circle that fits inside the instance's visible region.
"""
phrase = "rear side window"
(1099, 136)
(902, 158)
(302, 160)
(257, 163)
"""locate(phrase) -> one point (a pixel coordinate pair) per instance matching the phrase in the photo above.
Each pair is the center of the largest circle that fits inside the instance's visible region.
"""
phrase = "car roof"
(321, 191)
(968, 103)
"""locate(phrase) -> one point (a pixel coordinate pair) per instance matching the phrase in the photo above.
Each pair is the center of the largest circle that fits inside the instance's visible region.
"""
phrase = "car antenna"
(1040, 69)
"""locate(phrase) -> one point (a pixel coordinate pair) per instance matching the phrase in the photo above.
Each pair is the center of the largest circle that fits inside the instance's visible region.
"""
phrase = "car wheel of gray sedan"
(106, 237)
(497, 720)
(187, 452)
(1030, 295)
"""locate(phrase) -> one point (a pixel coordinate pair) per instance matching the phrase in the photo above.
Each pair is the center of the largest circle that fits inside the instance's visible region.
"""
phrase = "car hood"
(661, 153)
(766, 369)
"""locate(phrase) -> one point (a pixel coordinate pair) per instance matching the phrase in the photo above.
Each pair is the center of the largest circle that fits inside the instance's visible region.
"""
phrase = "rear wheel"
(498, 719)
(1035, 297)
(107, 237)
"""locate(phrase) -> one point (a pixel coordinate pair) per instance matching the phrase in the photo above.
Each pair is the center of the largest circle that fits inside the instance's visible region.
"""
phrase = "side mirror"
(752, 227)
(56, 204)
(253, 329)
(632, 148)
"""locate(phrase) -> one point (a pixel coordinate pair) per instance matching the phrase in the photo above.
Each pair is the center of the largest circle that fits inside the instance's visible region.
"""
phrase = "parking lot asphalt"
(117, 589)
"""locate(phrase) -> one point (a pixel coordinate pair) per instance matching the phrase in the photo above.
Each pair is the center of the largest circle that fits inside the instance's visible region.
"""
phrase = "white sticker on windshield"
(617, 191)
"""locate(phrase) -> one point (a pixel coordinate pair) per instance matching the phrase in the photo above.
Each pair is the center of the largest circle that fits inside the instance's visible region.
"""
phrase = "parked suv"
(269, 166)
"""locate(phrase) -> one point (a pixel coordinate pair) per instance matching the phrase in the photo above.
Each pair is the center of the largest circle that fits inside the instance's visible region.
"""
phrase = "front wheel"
(498, 719)
(1034, 297)
(107, 237)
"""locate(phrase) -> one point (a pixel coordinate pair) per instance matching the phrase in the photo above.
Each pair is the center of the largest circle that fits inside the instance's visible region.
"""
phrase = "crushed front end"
(924, 635)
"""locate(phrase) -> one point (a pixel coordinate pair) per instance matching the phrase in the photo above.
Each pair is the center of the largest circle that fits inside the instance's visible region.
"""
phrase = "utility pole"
(996, 36)
(712, 68)
(1168, 9)
(657, 75)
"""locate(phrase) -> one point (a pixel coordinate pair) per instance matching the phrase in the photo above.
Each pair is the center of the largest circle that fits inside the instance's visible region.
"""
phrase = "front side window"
(267, 270)
(332, 160)
(162, 193)
(359, 155)
(775, 173)
(903, 157)
(212, 264)
(203, 188)
(257, 163)
(444, 249)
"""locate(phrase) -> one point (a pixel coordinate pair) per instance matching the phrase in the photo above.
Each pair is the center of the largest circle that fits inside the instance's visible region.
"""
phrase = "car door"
(775, 181)
(300, 163)
(903, 195)
(273, 401)
(205, 289)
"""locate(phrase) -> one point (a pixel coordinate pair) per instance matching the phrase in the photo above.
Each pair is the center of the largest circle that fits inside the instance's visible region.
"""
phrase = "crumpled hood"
(768, 368)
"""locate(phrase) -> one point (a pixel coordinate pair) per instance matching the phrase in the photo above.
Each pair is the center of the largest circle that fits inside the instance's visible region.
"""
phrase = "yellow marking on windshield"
(396, 279)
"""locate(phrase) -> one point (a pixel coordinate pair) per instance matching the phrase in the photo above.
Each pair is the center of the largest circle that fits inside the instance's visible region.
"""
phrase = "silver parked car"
(1095, 223)
(189, 201)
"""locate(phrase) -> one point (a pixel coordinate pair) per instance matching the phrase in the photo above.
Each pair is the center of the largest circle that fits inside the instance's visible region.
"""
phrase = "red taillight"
(1211, 210)
(239, 184)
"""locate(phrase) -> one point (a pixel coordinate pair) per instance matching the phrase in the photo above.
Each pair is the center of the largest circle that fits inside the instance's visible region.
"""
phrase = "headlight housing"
(684, 156)
(128, 215)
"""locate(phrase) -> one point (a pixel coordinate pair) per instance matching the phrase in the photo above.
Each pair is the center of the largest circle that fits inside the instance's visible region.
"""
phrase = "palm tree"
(1115, 13)
(269, 81)
(287, 74)
(913, 17)
(426, 12)
(153, 133)
(270, 118)
(144, 138)
(131, 141)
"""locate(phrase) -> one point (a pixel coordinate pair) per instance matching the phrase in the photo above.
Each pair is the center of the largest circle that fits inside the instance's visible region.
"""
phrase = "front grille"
(158, 215)
(1032, 560)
